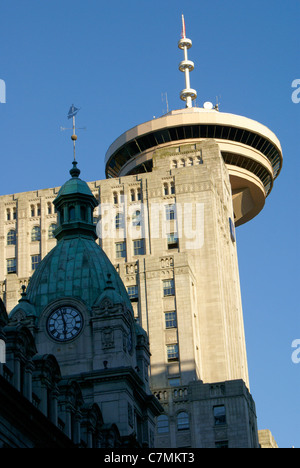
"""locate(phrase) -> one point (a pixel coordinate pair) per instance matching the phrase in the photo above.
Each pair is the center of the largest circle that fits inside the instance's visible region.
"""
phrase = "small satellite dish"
(208, 105)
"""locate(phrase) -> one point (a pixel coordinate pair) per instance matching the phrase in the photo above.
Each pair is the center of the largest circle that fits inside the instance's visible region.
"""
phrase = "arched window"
(36, 234)
(11, 237)
(71, 213)
(51, 230)
(166, 189)
(49, 208)
(116, 199)
(162, 424)
(8, 214)
(174, 164)
(183, 422)
(132, 195)
(32, 211)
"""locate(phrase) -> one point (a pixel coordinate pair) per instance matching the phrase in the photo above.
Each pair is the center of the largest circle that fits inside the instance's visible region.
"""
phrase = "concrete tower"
(199, 174)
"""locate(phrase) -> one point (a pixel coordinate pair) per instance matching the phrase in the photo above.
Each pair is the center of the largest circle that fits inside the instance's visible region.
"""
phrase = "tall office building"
(176, 189)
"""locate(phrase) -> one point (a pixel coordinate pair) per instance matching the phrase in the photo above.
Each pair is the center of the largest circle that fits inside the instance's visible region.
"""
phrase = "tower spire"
(188, 94)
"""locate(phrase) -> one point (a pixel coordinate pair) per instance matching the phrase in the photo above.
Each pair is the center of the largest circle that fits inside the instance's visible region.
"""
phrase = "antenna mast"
(71, 115)
(188, 94)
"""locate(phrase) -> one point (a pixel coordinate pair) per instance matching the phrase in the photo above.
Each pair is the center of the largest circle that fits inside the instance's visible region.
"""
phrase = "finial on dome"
(71, 115)
(75, 172)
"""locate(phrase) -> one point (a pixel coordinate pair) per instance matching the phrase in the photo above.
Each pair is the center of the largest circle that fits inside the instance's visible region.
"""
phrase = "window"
(14, 213)
(133, 293)
(36, 234)
(139, 194)
(49, 208)
(183, 422)
(223, 444)
(162, 424)
(172, 241)
(11, 237)
(168, 287)
(8, 214)
(170, 212)
(116, 199)
(219, 415)
(83, 213)
(119, 221)
(71, 213)
(132, 195)
(51, 230)
(172, 186)
(170, 319)
(35, 260)
(39, 210)
(136, 218)
(121, 249)
(172, 352)
(138, 247)
(166, 189)
(11, 265)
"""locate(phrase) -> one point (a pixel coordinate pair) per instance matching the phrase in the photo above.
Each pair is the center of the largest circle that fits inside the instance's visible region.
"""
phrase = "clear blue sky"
(114, 60)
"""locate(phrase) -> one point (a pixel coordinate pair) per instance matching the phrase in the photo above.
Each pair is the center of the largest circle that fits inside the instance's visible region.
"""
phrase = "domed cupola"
(75, 204)
(77, 267)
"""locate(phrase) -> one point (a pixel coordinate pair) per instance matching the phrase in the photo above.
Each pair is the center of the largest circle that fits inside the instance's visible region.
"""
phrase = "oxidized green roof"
(74, 186)
(76, 267)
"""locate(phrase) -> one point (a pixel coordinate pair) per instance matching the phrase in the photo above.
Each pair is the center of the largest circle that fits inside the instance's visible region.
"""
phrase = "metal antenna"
(165, 96)
(188, 94)
(71, 115)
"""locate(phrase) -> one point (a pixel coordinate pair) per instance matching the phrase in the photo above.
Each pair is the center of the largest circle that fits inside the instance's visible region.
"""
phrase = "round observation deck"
(251, 152)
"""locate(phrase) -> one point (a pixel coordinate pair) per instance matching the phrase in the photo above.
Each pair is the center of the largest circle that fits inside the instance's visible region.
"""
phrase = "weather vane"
(71, 115)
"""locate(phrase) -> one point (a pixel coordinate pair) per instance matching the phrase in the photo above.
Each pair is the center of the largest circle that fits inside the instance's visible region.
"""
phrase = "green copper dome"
(74, 185)
(77, 267)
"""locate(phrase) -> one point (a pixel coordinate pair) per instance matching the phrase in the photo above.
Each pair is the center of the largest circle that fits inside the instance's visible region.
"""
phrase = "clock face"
(64, 324)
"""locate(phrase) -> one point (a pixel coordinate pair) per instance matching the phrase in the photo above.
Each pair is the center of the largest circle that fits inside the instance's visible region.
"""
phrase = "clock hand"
(64, 323)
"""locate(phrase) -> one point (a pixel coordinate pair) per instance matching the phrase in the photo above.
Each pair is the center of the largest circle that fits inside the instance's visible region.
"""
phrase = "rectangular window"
(168, 287)
(170, 212)
(170, 319)
(172, 352)
(219, 415)
(139, 247)
(172, 241)
(223, 444)
(133, 293)
(120, 249)
(35, 260)
(11, 265)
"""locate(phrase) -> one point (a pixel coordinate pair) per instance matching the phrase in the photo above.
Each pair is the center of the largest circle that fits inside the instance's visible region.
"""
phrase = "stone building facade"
(170, 236)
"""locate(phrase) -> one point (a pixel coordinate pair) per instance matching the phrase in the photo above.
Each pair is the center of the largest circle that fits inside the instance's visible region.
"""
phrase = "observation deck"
(251, 152)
